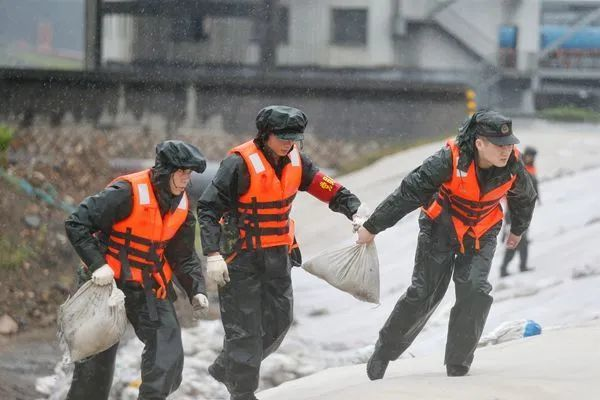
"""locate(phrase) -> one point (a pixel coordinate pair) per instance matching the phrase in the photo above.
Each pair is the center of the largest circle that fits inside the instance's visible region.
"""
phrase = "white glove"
(199, 305)
(103, 275)
(217, 270)
(358, 219)
(357, 222)
(117, 297)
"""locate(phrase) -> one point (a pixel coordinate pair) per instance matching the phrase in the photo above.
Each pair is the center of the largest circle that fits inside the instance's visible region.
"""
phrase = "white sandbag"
(92, 320)
(353, 269)
(511, 330)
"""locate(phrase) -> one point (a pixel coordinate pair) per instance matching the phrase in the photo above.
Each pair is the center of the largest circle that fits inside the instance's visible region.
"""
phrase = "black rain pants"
(437, 260)
(509, 254)
(257, 312)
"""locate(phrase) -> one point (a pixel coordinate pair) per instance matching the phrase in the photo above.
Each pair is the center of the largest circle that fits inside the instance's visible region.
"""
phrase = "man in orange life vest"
(523, 247)
(252, 195)
(140, 231)
(459, 188)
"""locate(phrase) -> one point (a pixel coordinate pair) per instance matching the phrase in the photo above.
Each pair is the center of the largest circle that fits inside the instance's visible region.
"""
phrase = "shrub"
(12, 256)
(570, 113)
(6, 135)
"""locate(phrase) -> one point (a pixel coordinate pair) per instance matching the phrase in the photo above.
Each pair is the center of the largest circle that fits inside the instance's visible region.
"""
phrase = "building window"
(190, 29)
(349, 27)
(282, 26)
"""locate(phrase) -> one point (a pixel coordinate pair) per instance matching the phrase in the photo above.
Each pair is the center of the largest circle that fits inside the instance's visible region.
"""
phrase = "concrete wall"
(228, 42)
(405, 113)
(401, 117)
(310, 35)
(428, 47)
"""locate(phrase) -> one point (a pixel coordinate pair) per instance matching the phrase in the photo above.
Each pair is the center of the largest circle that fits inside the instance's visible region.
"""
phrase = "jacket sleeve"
(343, 201)
(521, 200)
(98, 213)
(535, 182)
(182, 256)
(231, 180)
(416, 190)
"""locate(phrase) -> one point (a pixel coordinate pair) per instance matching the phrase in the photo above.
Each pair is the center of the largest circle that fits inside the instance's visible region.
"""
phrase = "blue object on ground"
(532, 328)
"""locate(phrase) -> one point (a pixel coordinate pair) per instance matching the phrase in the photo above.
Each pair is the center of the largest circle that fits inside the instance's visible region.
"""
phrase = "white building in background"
(420, 34)
(425, 34)
(516, 54)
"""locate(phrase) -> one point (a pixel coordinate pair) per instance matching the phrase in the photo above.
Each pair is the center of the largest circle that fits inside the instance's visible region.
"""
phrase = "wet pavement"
(24, 358)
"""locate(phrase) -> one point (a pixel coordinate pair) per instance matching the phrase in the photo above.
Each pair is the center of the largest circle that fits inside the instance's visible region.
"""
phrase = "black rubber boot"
(456, 370)
(377, 364)
(218, 373)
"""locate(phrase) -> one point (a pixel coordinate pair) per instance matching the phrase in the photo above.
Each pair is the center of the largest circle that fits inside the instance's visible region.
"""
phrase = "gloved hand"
(103, 275)
(357, 222)
(217, 270)
(199, 305)
(117, 297)
(362, 214)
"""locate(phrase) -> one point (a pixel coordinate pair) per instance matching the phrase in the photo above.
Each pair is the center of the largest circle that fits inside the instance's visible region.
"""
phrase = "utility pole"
(93, 34)
(268, 35)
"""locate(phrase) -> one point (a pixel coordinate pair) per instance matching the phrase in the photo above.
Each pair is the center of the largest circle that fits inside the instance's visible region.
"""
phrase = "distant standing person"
(459, 189)
(523, 247)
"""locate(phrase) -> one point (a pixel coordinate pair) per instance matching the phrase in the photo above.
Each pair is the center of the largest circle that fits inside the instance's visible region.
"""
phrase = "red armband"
(323, 187)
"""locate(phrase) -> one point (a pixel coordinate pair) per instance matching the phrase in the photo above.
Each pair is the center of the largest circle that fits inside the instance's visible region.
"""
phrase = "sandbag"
(353, 269)
(511, 330)
(92, 320)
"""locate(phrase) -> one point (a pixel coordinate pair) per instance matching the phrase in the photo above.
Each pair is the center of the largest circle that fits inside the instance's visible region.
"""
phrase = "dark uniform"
(257, 304)
(439, 256)
(88, 230)
(523, 247)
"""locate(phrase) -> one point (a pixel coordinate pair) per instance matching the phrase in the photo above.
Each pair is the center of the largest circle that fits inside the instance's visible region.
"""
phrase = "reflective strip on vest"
(257, 164)
(143, 193)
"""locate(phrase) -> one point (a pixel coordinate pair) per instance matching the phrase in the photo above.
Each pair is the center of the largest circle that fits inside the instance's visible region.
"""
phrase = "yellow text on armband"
(328, 180)
(326, 186)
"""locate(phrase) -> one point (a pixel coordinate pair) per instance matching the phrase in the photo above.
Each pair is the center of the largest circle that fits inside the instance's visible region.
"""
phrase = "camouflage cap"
(286, 122)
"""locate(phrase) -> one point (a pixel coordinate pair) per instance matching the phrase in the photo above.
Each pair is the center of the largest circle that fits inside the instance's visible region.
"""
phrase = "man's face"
(179, 180)
(491, 154)
(281, 147)
(528, 159)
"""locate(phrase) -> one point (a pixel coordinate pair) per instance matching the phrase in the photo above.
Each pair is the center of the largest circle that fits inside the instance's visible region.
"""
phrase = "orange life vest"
(140, 239)
(531, 169)
(264, 210)
(471, 211)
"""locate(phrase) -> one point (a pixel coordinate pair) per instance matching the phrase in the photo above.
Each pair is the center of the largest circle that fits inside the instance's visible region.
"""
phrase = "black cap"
(175, 154)
(530, 151)
(494, 126)
(287, 123)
